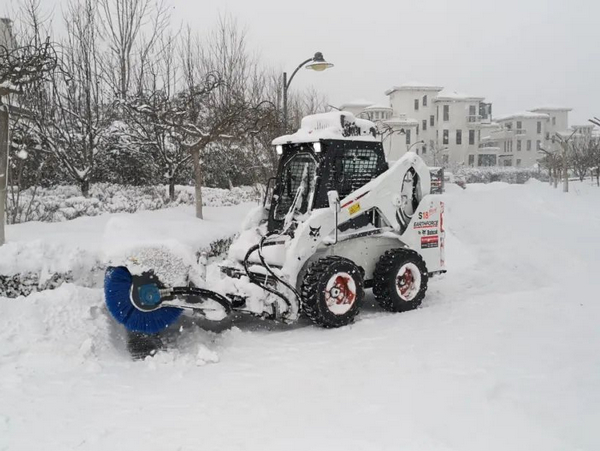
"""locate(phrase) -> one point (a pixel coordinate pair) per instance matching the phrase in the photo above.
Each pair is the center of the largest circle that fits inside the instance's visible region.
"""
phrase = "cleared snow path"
(504, 355)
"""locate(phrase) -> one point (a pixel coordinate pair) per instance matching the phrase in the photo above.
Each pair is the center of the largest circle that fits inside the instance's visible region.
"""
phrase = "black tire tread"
(310, 294)
(386, 268)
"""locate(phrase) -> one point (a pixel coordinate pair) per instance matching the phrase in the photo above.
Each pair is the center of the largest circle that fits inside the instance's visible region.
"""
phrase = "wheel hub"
(340, 293)
(408, 281)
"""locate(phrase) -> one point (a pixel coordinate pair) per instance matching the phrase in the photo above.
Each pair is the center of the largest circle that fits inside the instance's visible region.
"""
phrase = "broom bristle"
(117, 287)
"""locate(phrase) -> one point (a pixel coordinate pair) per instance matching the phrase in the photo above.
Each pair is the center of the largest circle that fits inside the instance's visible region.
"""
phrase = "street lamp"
(414, 144)
(317, 63)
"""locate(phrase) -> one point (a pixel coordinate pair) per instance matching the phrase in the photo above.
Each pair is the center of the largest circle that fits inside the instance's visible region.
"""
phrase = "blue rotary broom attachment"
(148, 317)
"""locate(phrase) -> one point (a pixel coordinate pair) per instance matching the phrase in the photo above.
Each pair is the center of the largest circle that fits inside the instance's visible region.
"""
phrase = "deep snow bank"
(82, 247)
(504, 354)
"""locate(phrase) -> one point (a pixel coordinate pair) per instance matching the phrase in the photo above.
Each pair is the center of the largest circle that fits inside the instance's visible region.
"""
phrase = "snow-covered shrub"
(500, 174)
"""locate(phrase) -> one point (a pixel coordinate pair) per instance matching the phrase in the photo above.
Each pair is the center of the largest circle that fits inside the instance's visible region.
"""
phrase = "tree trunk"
(85, 188)
(565, 178)
(172, 189)
(3, 168)
(198, 182)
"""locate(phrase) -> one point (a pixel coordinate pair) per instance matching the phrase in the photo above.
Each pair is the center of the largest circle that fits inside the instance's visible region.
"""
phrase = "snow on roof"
(333, 125)
(446, 96)
(378, 107)
(550, 108)
(414, 86)
(402, 120)
(357, 102)
(522, 115)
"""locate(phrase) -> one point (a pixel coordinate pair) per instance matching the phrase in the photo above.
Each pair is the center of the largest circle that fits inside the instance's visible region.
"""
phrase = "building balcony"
(489, 149)
(474, 118)
(520, 131)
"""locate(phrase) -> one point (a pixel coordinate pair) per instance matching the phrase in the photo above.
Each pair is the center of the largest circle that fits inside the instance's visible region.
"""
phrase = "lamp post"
(414, 144)
(317, 63)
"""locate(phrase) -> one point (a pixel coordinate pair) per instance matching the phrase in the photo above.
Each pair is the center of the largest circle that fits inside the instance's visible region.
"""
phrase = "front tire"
(332, 291)
(400, 280)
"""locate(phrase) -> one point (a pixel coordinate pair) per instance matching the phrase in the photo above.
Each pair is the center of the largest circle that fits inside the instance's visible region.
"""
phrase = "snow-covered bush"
(63, 203)
(500, 174)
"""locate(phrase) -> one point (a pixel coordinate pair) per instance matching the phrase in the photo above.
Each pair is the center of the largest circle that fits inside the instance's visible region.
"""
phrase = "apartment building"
(450, 128)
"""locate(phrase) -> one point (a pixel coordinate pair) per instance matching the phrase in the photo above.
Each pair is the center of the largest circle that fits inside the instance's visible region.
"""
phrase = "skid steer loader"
(337, 219)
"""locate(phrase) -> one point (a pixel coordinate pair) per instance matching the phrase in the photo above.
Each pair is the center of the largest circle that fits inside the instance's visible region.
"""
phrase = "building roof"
(414, 86)
(550, 108)
(357, 103)
(403, 120)
(453, 96)
(522, 115)
(378, 107)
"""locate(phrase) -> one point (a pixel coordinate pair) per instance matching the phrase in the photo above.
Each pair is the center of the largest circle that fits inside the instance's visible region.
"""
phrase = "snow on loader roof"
(333, 125)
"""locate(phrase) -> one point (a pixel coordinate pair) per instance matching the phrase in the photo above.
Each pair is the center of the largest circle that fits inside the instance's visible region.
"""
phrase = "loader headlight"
(317, 147)
(279, 149)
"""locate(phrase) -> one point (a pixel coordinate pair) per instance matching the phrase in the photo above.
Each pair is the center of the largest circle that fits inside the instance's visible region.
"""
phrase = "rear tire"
(400, 280)
(332, 291)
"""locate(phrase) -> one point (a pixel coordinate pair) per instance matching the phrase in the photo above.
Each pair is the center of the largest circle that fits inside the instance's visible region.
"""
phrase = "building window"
(472, 110)
(518, 145)
(416, 104)
(554, 120)
(539, 127)
(519, 125)
(529, 144)
(417, 129)
(538, 145)
(432, 120)
(509, 125)
(424, 100)
(408, 137)
(437, 113)
(547, 136)
(445, 138)
(471, 160)
(424, 124)
(518, 162)
(446, 113)
(424, 151)
(458, 136)
(471, 137)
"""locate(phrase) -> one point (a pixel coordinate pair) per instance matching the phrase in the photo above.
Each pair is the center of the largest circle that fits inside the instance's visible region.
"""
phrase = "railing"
(474, 118)
(521, 131)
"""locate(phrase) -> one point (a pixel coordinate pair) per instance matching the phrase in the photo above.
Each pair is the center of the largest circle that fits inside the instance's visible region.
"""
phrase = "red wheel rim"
(408, 281)
(340, 293)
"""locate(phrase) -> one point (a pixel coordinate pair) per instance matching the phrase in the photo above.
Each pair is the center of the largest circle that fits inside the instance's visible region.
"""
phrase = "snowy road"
(504, 355)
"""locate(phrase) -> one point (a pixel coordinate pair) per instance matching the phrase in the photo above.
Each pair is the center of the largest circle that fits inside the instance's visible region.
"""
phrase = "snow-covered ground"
(503, 355)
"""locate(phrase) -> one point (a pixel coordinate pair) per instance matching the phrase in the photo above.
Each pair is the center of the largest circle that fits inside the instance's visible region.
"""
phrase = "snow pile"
(508, 340)
(64, 203)
(43, 255)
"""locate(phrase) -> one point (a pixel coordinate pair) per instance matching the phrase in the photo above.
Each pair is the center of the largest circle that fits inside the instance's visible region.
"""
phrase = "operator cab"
(331, 151)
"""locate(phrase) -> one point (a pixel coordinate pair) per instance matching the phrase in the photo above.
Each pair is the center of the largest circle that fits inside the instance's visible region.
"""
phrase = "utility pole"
(3, 168)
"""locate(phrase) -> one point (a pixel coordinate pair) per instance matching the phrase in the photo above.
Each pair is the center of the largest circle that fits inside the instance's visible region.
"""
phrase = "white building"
(449, 128)
(517, 139)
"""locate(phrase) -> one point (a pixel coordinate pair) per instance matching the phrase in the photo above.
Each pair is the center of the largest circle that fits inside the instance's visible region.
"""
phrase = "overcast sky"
(517, 54)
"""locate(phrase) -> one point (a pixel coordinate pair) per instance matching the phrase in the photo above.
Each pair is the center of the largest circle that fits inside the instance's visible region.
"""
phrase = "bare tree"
(216, 102)
(21, 65)
(150, 119)
(71, 120)
(131, 29)
(565, 156)
(582, 156)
